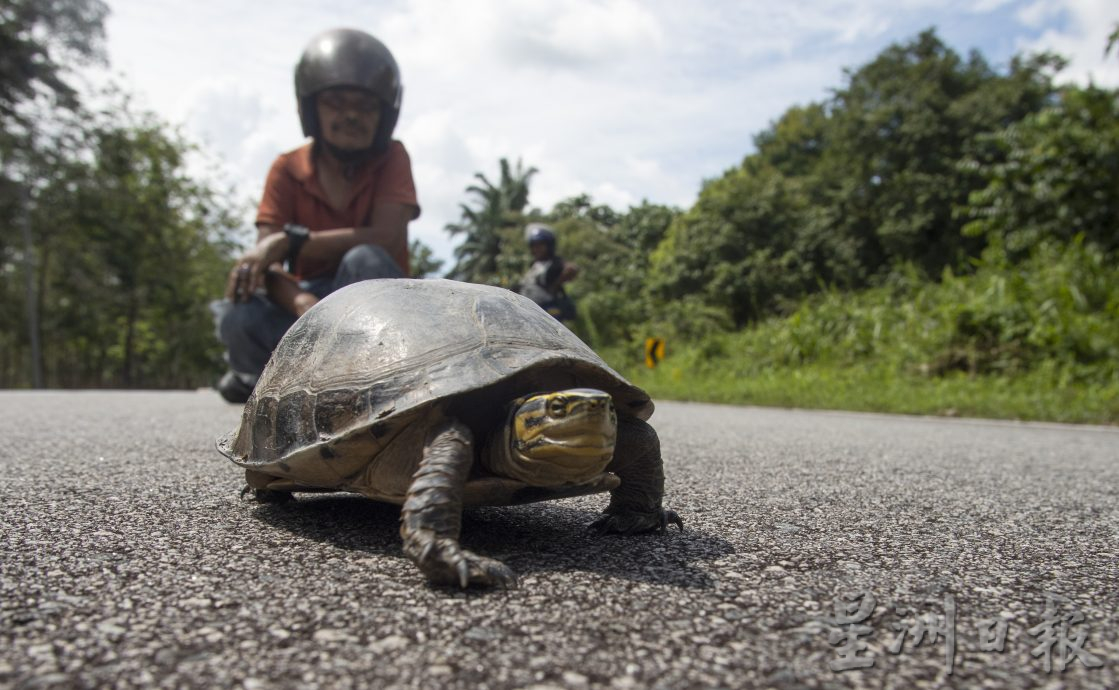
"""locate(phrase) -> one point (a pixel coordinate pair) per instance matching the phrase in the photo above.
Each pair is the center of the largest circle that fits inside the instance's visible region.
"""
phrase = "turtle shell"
(371, 361)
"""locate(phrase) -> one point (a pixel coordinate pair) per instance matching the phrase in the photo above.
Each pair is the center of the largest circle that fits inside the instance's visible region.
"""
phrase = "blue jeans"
(251, 330)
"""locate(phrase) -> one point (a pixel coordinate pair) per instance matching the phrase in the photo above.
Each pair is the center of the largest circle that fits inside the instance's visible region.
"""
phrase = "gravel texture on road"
(813, 541)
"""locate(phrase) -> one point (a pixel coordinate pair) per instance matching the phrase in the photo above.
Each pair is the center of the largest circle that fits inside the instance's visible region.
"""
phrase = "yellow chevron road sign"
(654, 351)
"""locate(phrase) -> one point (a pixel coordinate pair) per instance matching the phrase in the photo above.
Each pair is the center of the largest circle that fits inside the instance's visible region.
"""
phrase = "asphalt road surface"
(129, 561)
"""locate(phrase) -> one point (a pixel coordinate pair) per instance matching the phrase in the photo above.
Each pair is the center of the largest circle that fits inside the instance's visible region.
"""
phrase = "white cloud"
(457, 38)
(984, 6)
(1081, 38)
(1038, 13)
(581, 33)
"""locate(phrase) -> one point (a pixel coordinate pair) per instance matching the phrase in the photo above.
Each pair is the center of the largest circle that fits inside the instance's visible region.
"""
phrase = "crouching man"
(334, 211)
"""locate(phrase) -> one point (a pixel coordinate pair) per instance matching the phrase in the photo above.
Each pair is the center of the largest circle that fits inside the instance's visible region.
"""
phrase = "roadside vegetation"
(938, 237)
(109, 248)
(1038, 340)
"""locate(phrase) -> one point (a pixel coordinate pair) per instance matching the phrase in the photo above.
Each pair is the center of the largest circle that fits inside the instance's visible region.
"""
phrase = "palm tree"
(424, 263)
(495, 207)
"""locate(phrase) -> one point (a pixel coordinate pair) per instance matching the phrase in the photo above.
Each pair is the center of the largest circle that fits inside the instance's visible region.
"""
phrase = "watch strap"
(297, 237)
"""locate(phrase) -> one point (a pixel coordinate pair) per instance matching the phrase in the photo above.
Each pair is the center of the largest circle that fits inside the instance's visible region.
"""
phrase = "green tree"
(1056, 176)
(424, 263)
(843, 192)
(900, 126)
(152, 226)
(794, 144)
(40, 42)
(613, 251)
(743, 247)
(496, 208)
(129, 250)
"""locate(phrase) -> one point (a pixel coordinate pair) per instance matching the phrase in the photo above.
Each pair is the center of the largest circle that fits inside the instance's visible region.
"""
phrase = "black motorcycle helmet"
(350, 58)
(538, 232)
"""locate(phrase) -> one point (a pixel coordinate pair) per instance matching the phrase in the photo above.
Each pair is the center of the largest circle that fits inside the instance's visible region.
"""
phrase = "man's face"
(539, 250)
(348, 118)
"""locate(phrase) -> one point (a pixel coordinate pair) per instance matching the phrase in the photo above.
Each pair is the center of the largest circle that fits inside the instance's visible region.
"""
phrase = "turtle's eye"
(557, 407)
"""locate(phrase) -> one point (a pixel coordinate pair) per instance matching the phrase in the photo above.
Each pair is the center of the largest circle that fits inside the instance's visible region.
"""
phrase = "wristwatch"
(297, 235)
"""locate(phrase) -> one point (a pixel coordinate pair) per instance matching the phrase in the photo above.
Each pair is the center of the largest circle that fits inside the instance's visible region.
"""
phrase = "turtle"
(437, 395)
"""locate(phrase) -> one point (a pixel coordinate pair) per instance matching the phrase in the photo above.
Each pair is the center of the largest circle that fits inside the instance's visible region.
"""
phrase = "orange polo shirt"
(292, 194)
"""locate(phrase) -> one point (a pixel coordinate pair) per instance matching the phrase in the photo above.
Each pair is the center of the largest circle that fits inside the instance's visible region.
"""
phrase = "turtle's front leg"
(431, 518)
(635, 506)
(256, 488)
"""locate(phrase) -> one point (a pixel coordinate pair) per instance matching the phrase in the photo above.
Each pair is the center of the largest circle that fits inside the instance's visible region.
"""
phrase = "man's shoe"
(234, 388)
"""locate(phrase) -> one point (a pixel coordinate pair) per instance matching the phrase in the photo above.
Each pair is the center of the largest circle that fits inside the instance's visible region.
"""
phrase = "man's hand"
(569, 272)
(283, 290)
(250, 270)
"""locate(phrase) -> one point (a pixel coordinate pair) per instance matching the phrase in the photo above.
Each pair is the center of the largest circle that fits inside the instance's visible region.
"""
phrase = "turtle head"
(550, 439)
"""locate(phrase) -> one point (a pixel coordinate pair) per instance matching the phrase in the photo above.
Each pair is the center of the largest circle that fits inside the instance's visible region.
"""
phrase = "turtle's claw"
(635, 522)
(671, 518)
(425, 555)
(498, 574)
(463, 574)
(475, 570)
(444, 562)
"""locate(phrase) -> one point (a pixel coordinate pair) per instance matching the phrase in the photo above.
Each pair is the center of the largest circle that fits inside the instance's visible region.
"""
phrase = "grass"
(1038, 340)
(880, 389)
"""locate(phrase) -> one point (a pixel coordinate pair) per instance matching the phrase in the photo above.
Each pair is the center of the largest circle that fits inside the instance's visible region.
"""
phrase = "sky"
(622, 100)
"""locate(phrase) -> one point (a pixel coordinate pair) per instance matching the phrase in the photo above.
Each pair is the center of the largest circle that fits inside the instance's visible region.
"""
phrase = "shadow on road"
(543, 537)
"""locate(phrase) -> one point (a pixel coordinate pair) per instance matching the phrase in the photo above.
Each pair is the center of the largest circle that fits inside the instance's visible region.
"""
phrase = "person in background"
(335, 210)
(543, 282)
